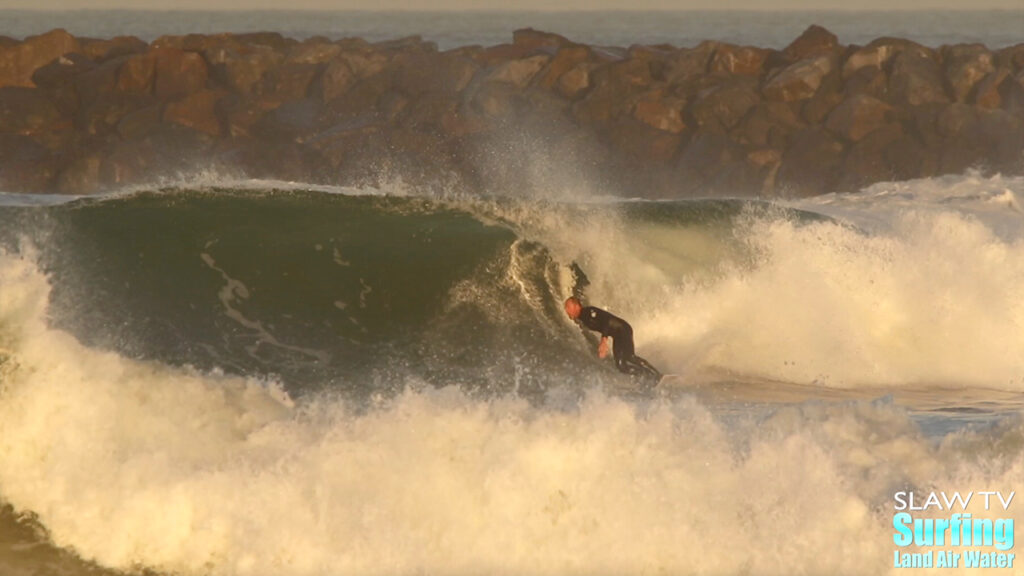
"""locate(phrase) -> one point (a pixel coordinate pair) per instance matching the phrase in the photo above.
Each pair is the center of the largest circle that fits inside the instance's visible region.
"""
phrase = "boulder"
(814, 42)
(420, 73)
(966, 65)
(20, 61)
(811, 165)
(576, 81)
(639, 141)
(25, 165)
(724, 105)
(137, 73)
(313, 52)
(800, 80)
(869, 160)
(988, 93)
(103, 50)
(336, 80)
(869, 80)
(687, 64)
(536, 40)
(241, 67)
(743, 60)
(564, 60)
(197, 111)
(916, 79)
(858, 116)
(518, 73)
(178, 73)
(25, 110)
(660, 111)
(769, 124)
(288, 82)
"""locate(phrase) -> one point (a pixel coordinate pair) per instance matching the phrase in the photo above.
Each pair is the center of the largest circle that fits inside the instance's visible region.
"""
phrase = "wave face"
(250, 380)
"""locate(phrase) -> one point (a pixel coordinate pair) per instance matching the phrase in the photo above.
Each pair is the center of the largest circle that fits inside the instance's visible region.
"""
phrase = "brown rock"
(869, 80)
(875, 56)
(744, 60)
(421, 73)
(564, 60)
(687, 64)
(58, 78)
(26, 166)
(535, 39)
(704, 156)
(576, 81)
(139, 123)
(243, 66)
(25, 110)
(313, 52)
(987, 93)
(915, 80)
(858, 116)
(660, 111)
(966, 65)
(638, 141)
(868, 161)
(769, 124)
(136, 74)
(101, 115)
(814, 42)
(103, 50)
(800, 80)
(723, 106)
(811, 165)
(197, 111)
(337, 78)
(288, 82)
(178, 73)
(18, 62)
(518, 73)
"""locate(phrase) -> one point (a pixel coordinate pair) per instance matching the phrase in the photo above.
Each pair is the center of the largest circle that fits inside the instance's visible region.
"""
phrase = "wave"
(887, 288)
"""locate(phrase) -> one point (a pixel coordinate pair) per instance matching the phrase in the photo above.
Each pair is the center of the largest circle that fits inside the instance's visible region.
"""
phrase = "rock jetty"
(81, 115)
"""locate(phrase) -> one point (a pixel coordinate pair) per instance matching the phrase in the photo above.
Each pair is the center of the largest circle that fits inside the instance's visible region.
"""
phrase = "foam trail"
(136, 463)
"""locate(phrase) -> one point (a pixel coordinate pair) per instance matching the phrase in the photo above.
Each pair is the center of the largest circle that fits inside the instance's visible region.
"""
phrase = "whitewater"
(255, 378)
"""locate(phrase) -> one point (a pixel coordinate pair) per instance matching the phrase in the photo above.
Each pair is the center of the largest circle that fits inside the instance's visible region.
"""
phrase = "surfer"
(621, 333)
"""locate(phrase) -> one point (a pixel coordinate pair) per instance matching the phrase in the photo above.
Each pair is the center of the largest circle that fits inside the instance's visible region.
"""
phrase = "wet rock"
(966, 65)
(858, 116)
(811, 165)
(687, 64)
(103, 50)
(178, 73)
(800, 80)
(814, 42)
(241, 67)
(916, 79)
(518, 73)
(661, 111)
(136, 74)
(743, 60)
(564, 60)
(20, 61)
(197, 111)
(723, 106)
(25, 110)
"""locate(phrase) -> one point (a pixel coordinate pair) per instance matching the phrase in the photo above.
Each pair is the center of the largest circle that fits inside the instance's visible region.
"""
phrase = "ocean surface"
(769, 29)
(221, 376)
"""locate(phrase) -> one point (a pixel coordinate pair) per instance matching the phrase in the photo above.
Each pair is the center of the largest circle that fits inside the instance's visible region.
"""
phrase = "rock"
(25, 110)
(241, 67)
(723, 106)
(743, 60)
(178, 73)
(197, 111)
(987, 94)
(915, 80)
(25, 165)
(564, 60)
(706, 153)
(966, 65)
(769, 124)
(639, 141)
(868, 161)
(576, 81)
(814, 42)
(687, 64)
(295, 120)
(288, 82)
(870, 81)
(799, 81)
(136, 74)
(518, 73)
(1011, 57)
(858, 116)
(313, 52)
(57, 80)
(660, 111)
(103, 50)
(869, 57)
(19, 62)
(811, 165)
(140, 122)
(337, 78)
(422, 73)
(535, 39)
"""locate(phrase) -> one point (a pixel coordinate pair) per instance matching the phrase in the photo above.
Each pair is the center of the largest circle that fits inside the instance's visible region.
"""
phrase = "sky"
(519, 5)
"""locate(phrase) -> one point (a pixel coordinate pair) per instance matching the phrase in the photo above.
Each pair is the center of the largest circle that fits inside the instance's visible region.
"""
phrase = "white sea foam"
(136, 463)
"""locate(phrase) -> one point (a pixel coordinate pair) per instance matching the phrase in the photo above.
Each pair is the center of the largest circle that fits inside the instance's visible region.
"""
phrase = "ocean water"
(250, 377)
(770, 29)
(222, 376)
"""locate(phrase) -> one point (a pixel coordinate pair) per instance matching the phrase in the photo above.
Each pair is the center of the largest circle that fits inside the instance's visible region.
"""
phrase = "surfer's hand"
(602, 348)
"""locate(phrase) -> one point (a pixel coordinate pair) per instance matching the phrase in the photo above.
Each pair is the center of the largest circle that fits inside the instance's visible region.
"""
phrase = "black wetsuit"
(621, 333)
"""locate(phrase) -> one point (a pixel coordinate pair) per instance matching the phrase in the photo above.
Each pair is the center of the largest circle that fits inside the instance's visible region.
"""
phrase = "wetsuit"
(621, 333)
